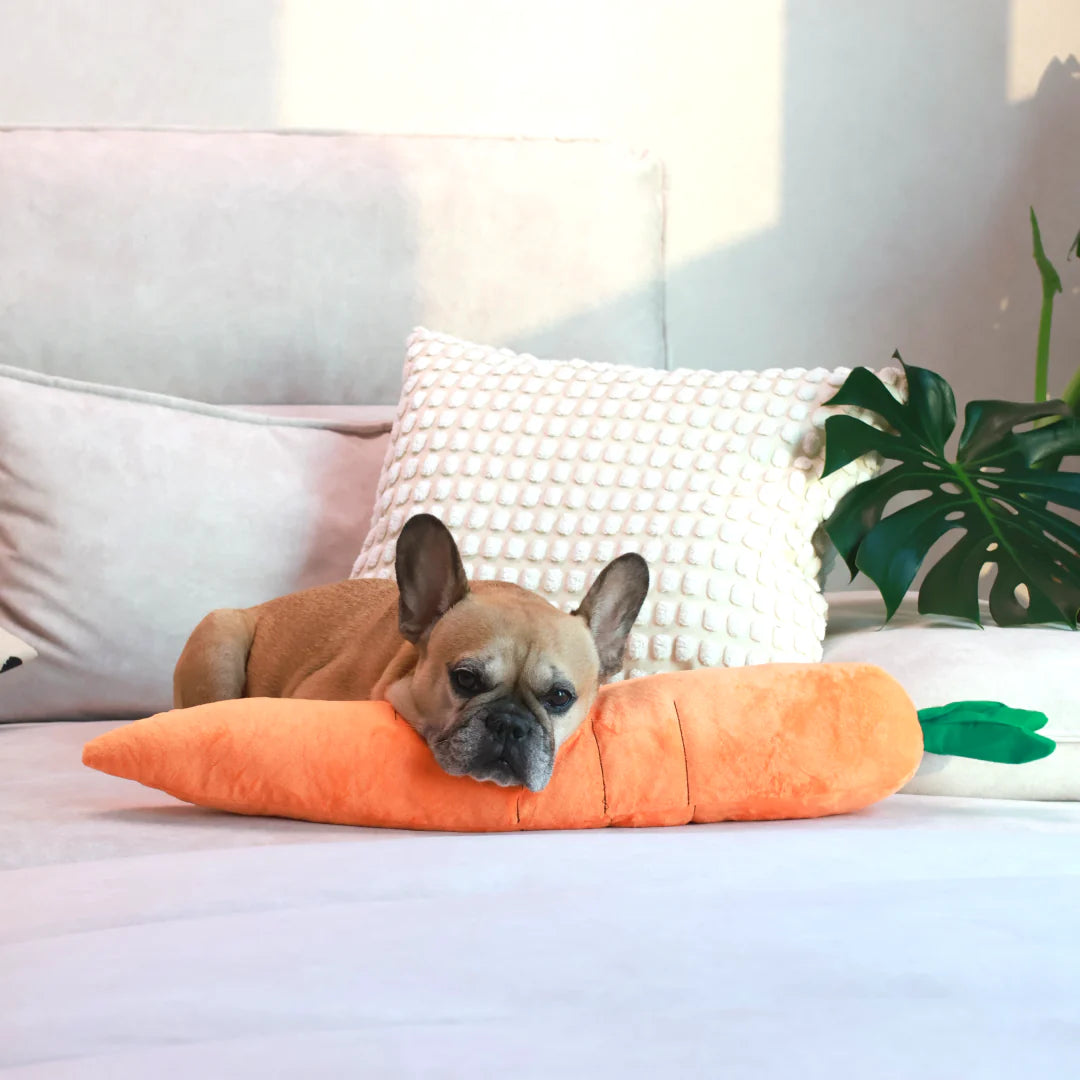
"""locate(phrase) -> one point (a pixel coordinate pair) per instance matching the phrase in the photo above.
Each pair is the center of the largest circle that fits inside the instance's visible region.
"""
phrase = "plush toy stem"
(985, 730)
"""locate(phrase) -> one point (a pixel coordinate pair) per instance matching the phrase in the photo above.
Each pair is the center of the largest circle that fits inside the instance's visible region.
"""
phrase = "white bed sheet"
(924, 938)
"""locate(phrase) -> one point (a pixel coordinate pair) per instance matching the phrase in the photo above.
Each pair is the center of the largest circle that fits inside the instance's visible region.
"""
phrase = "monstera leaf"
(999, 497)
(986, 730)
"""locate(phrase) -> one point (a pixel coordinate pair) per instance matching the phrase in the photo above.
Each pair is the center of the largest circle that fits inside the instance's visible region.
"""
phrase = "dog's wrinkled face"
(503, 677)
(502, 681)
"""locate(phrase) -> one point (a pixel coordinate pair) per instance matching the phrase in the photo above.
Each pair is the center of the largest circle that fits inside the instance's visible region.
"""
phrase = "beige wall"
(844, 176)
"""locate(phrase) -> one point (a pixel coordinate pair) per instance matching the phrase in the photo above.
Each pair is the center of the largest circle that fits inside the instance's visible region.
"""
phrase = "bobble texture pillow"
(545, 470)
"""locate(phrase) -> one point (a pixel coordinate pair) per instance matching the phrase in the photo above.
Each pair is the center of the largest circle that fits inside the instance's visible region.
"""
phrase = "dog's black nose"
(515, 748)
(506, 725)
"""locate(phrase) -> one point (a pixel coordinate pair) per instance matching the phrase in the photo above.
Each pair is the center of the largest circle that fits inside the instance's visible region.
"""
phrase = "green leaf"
(863, 389)
(931, 399)
(986, 423)
(894, 549)
(986, 730)
(847, 439)
(1006, 608)
(1051, 280)
(951, 586)
(999, 497)
(1063, 488)
(1044, 445)
(860, 509)
(1071, 394)
(1051, 284)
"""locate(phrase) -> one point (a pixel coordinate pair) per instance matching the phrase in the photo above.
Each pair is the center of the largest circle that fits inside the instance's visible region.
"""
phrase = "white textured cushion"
(939, 660)
(546, 470)
(125, 517)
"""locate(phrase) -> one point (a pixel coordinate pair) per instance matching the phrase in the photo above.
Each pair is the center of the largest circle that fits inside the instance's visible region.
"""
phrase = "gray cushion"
(125, 517)
(231, 267)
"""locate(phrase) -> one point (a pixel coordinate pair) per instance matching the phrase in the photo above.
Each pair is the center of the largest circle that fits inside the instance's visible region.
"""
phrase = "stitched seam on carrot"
(600, 759)
(685, 759)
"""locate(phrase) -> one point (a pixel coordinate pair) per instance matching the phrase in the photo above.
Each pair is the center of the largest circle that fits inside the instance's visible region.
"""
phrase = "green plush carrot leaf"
(986, 730)
(1028, 719)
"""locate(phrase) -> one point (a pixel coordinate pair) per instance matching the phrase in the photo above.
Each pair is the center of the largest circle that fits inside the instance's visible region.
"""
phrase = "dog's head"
(503, 677)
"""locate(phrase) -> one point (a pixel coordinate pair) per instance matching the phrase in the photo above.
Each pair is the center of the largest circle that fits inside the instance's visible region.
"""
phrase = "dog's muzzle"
(514, 747)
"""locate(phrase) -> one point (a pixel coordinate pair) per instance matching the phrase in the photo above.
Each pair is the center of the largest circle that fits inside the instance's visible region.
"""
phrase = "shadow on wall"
(907, 177)
(906, 174)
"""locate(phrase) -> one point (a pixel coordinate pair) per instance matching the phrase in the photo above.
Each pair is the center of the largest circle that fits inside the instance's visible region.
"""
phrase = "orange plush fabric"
(737, 744)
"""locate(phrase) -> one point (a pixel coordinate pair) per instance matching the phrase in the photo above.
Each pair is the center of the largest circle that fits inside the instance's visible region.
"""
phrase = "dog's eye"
(559, 699)
(465, 681)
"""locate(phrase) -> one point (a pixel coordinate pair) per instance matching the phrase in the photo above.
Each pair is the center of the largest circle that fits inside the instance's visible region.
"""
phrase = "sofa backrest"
(237, 267)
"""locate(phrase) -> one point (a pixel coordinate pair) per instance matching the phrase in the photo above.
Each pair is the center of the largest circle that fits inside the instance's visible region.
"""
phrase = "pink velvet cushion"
(125, 517)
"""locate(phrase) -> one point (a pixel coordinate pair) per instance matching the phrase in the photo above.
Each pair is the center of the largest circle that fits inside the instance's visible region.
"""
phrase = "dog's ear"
(611, 606)
(430, 577)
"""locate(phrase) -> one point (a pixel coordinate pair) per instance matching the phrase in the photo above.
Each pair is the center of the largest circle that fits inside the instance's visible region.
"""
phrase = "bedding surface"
(927, 937)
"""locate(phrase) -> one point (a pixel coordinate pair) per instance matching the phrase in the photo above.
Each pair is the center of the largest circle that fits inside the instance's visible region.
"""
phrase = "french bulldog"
(492, 676)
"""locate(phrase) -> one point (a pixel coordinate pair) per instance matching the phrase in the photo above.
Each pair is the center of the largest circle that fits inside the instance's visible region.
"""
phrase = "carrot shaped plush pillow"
(734, 744)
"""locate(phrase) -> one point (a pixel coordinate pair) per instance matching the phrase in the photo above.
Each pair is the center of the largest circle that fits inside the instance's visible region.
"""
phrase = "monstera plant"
(1001, 496)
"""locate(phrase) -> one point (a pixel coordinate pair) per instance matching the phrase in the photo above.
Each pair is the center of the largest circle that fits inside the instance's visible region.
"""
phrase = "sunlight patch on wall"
(1039, 33)
(699, 85)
